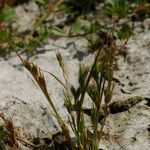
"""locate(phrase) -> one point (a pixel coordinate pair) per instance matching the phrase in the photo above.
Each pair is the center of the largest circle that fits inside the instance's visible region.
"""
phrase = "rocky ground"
(22, 100)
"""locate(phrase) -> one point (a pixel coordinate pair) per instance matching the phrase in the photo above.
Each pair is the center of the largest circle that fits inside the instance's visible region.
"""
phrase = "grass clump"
(96, 81)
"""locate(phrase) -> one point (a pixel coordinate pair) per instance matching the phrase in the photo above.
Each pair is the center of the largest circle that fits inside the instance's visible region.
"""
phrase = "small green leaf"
(64, 8)
(40, 2)
(77, 27)
(7, 14)
(57, 31)
(95, 27)
(18, 41)
(31, 47)
(42, 33)
(124, 33)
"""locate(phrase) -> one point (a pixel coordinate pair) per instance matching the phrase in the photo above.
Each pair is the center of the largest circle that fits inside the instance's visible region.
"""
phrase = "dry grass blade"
(55, 77)
(36, 73)
(10, 135)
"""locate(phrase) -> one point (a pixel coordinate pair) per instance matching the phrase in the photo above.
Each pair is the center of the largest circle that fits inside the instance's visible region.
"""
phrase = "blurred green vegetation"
(136, 10)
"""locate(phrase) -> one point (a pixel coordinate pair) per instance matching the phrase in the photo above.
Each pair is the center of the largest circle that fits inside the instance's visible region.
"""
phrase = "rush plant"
(95, 80)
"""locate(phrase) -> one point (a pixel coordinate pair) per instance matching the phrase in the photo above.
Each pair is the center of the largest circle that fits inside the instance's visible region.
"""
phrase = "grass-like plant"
(95, 80)
(40, 80)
